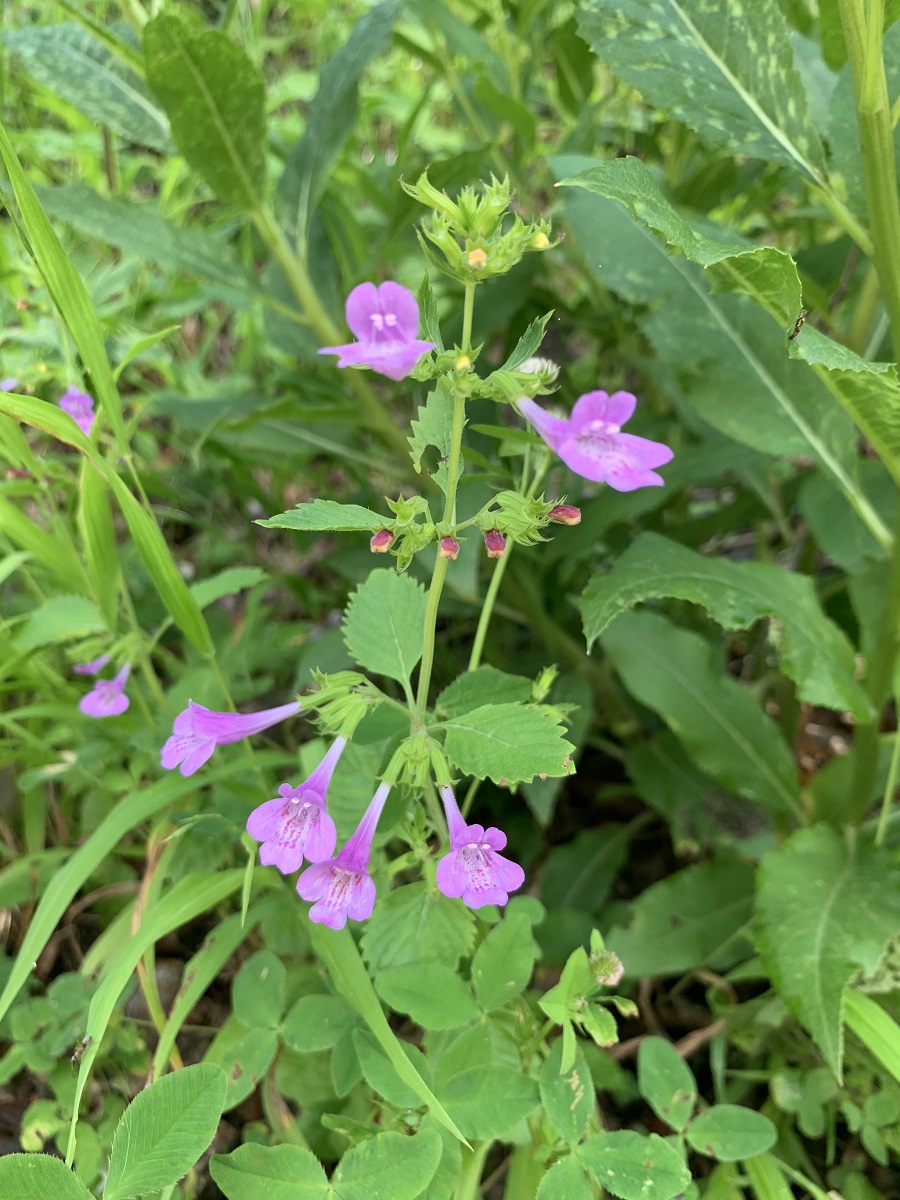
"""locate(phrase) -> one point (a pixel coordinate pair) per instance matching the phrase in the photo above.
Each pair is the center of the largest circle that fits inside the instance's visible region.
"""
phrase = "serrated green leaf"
(729, 1133)
(435, 998)
(86, 74)
(635, 1167)
(484, 685)
(39, 1177)
(226, 583)
(812, 649)
(487, 1101)
(726, 70)
(254, 1172)
(59, 620)
(259, 990)
(164, 1131)
(688, 920)
(503, 963)
(415, 924)
(721, 726)
(332, 116)
(512, 742)
(319, 515)
(567, 1096)
(215, 100)
(384, 624)
(388, 1166)
(528, 344)
(428, 310)
(565, 1180)
(825, 907)
(434, 428)
(317, 1023)
(666, 1082)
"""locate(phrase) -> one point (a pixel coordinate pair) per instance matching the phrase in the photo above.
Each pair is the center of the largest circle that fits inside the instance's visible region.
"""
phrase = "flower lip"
(107, 697)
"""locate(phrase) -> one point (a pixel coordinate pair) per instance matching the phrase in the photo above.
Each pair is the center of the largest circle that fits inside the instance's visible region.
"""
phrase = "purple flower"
(343, 887)
(386, 321)
(591, 443)
(80, 408)
(92, 667)
(9, 385)
(107, 697)
(198, 730)
(297, 823)
(474, 869)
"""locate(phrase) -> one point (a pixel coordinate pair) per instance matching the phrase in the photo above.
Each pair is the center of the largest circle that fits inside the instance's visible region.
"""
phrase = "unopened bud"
(463, 362)
(540, 241)
(381, 541)
(607, 967)
(494, 543)
(448, 547)
(565, 514)
(478, 259)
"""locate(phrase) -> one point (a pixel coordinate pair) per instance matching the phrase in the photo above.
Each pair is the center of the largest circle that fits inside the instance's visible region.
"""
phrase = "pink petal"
(198, 752)
(398, 300)
(314, 881)
(334, 918)
(552, 429)
(642, 452)
(361, 304)
(494, 837)
(598, 406)
(321, 837)
(452, 877)
(479, 897)
(507, 874)
(286, 856)
(264, 822)
(361, 897)
(353, 354)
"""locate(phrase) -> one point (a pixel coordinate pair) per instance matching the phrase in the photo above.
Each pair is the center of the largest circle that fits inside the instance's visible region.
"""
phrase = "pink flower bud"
(381, 541)
(565, 514)
(448, 548)
(494, 543)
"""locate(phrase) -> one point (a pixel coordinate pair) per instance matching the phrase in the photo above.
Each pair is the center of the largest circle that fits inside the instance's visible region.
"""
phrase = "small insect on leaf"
(80, 1049)
(798, 324)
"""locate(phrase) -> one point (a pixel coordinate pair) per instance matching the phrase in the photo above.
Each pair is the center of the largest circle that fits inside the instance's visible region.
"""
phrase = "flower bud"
(448, 547)
(565, 514)
(494, 543)
(463, 362)
(476, 258)
(381, 541)
(540, 241)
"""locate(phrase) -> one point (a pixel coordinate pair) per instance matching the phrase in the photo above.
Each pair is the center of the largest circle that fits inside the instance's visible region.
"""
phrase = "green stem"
(319, 321)
(470, 1172)
(863, 36)
(487, 608)
(889, 790)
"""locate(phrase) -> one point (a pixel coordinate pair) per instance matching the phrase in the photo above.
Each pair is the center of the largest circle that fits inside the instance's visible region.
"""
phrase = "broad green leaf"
(825, 907)
(868, 392)
(254, 1172)
(380, 1075)
(666, 1082)
(838, 530)
(339, 955)
(388, 1166)
(727, 70)
(59, 620)
(723, 729)
(511, 742)
(164, 1130)
(635, 1167)
(567, 1096)
(226, 583)
(580, 873)
(729, 1133)
(415, 924)
(244, 1057)
(68, 292)
(39, 1177)
(384, 624)
(215, 100)
(433, 428)
(487, 1101)
(435, 998)
(89, 76)
(484, 685)
(331, 116)
(259, 990)
(812, 649)
(142, 230)
(688, 920)
(319, 515)
(565, 1180)
(316, 1023)
(503, 963)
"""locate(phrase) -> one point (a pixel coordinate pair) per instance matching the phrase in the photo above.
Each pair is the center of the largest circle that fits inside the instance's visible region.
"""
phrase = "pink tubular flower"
(474, 869)
(198, 730)
(591, 443)
(107, 697)
(343, 887)
(92, 667)
(494, 543)
(565, 514)
(297, 823)
(80, 408)
(386, 321)
(448, 547)
(381, 541)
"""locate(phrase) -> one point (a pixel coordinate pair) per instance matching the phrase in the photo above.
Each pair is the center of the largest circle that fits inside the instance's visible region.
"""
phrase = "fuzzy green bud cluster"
(535, 377)
(475, 237)
(520, 518)
(342, 699)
